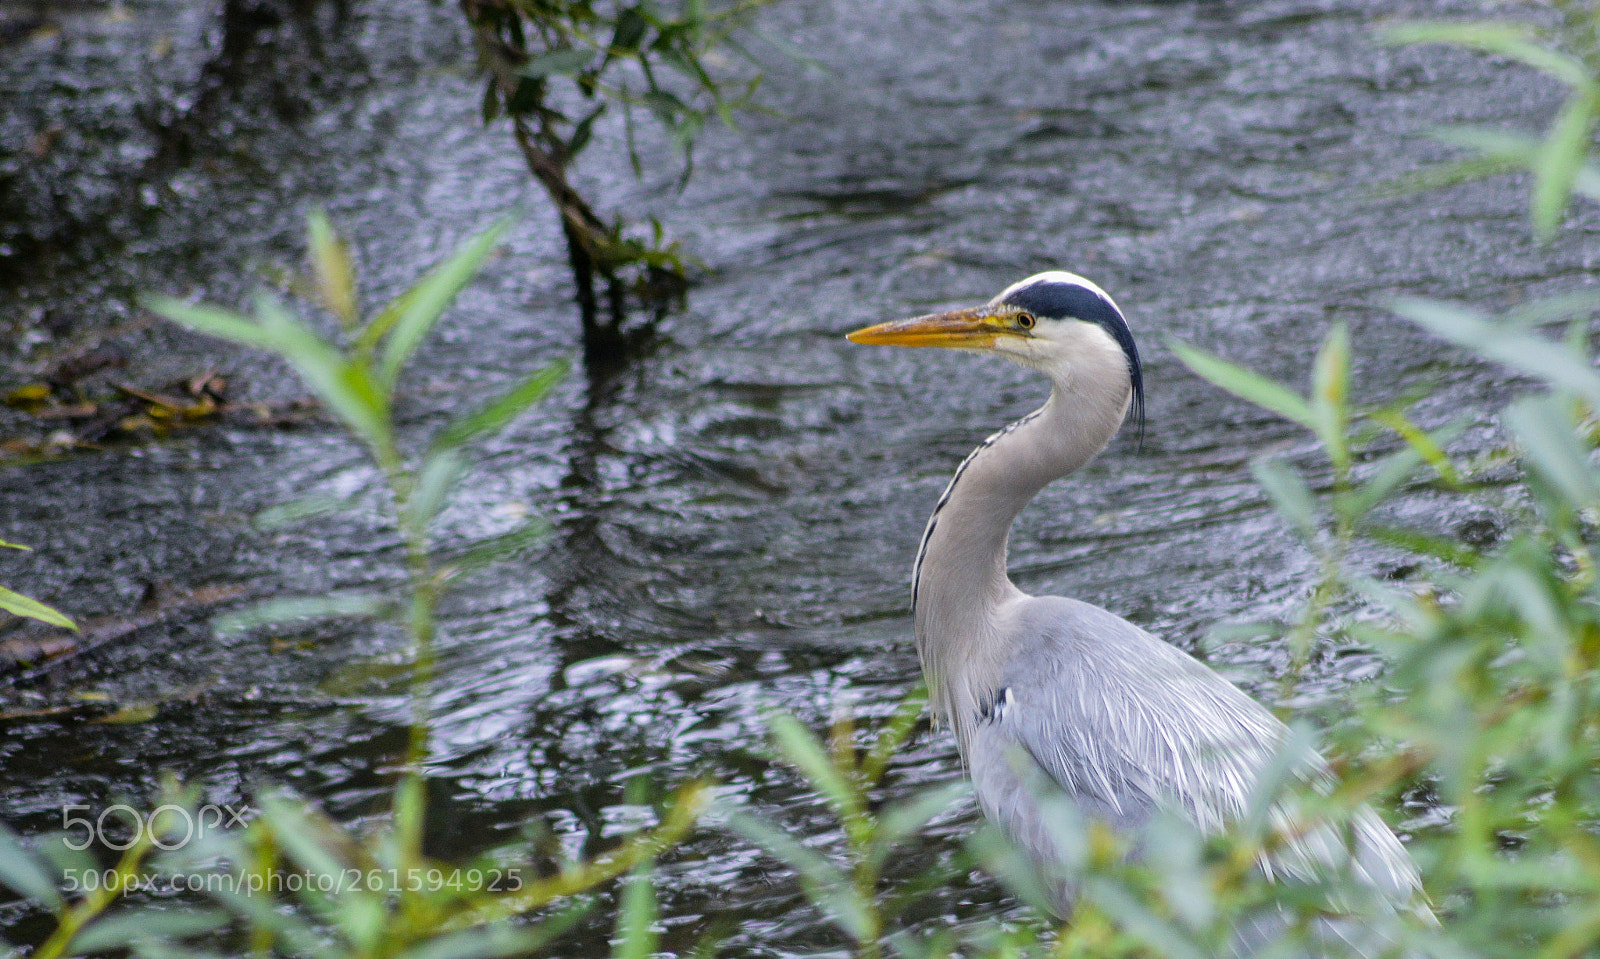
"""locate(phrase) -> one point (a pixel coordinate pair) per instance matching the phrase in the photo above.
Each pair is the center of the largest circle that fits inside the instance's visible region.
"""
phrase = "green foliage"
(356, 376)
(1568, 51)
(555, 68)
(1492, 699)
(645, 56)
(293, 882)
(19, 605)
(850, 889)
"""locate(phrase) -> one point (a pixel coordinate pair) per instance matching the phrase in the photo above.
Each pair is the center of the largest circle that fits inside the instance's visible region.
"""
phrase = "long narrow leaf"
(123, 929)
(497, 414)
(1550, 309)
(497, 940)
(20, 605)
(906, 817)
(1294, 754)
(1330, 379)
(825, 884)
(1289, 495)
(432, 297)
(1439, 547)
(497, 549)
(1246, 385)
(378, 327)
(1510, 40)
(286, 514)
(276, 612)
(636, 921)
(894, 733)
(335, 273)
(570, 60)
(1565, 149)
(439, 474)
(22, 873)
(302, 837)
(224, 324)
(1427, 446)
(1519, 349)
(1544, 430)
(1162, 936)
(1515, 148)
(1398, 467)
(803, 750)
(343, 384)
(1502, 152)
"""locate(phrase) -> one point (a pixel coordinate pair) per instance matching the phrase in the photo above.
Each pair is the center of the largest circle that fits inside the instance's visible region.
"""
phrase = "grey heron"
(1053, 690)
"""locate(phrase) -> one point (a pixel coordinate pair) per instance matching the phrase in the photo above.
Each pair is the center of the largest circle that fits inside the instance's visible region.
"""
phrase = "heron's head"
(1051, 321)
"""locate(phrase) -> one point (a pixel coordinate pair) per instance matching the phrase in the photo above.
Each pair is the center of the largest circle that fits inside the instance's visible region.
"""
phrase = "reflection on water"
(732, 518)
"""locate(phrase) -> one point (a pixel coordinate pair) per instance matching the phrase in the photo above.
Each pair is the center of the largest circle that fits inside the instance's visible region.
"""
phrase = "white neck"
(960, 576)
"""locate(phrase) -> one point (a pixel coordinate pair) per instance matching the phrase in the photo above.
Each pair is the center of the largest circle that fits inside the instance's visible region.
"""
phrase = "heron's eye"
(1026, 320)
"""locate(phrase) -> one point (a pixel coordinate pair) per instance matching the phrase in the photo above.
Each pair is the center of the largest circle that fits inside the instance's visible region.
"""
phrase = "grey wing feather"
(1127, 725)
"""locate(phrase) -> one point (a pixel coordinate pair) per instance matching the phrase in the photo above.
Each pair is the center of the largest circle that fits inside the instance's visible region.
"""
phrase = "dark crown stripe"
(1057, 300)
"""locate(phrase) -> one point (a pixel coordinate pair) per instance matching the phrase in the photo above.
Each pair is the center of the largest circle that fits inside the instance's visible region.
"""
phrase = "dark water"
(734, 516)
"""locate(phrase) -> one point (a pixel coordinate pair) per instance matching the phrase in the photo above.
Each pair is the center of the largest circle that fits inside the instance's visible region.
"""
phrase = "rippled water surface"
(734, 516)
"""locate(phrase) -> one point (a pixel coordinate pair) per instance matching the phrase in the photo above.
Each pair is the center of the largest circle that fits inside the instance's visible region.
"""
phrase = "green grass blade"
(494, 417)
(825, 884)
(498, 549)
(334, 272)
(1518, 349)
(296, 510)
(20, 605)
(223, 324)
(569, 61)
(1562, 156)
(1445, 175)
(1551, 309)
(120, 930)
(276, 612)
(304, 840)
(501, 941)
(1289, 495)
(1394, 470)
(1330, 380)
(432, 296)
(1246, 385)
(494, 941)
(378, 327)
(1514, 41)
(439, 474)
(1544, 430)
(908, 816)
(344, 385)
(22, 873)
(636, 921)
(894, 734)
(801, 748)
(1516, 148)
(1425, 544)
(1145, 924)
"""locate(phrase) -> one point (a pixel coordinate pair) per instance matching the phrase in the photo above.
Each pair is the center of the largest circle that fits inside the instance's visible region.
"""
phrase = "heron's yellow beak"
(969, 329)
